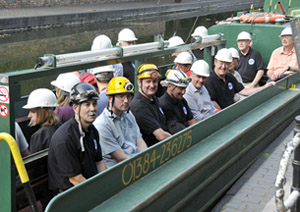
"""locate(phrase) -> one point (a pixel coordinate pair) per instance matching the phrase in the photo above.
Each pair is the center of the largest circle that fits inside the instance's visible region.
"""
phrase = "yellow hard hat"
(148, 71)
(118, 85)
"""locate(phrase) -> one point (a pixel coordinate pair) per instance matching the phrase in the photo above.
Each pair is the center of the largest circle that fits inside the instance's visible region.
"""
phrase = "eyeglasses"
(123, 96)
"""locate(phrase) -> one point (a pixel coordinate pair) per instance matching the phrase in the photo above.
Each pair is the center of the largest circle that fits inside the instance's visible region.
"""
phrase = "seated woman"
(63, 85)
(41, 103)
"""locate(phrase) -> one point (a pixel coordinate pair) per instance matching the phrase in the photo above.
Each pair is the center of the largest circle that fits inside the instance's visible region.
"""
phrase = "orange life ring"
(260, 19)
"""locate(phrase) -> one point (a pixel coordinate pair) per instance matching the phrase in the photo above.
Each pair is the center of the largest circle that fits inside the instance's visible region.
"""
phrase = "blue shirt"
(102, 103)
(199, 102)
(117, 133)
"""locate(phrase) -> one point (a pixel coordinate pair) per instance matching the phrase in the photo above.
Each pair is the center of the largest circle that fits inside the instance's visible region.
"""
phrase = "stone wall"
(51, 3)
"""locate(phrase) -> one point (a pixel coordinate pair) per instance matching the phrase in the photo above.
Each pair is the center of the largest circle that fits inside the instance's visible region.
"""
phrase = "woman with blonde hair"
(41, 103)
(63, 85)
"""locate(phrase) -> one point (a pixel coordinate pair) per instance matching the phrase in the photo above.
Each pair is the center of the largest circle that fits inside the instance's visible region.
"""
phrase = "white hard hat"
(286, 31)
(126, 35)
(101, 42)
(177, 78)
(244, 36)
(184, 58)
(224, 55)
(201, 68)
(103, 69)
(41, 97)
(234, 53)
(200, 31)
(175, 41)
(65, 81)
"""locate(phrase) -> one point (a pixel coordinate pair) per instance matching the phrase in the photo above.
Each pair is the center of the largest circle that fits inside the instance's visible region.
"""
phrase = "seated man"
(222, 86)
(199, 31)
(120, 136)
(250, 66)
(175, 41)
(126, 37)
(283, 60)
(175, 107)
(232, 67)
(184, 62)
(75, 153)
(197, 95)
(178, 41)
(149, 115)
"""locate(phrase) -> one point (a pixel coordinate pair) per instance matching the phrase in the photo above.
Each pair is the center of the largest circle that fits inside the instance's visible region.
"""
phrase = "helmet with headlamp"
(148, 71)
(119, 85)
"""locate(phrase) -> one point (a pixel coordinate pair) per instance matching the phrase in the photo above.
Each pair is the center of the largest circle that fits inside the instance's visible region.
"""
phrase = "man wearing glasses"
(120, 136)
(222, 85)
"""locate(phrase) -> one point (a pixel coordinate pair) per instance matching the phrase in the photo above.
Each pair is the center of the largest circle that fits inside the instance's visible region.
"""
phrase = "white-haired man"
(250, 66)
(283, 60)
(222, 85)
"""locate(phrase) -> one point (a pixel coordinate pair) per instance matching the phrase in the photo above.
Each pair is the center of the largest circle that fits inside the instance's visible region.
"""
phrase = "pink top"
(281, 60)
(64, 113)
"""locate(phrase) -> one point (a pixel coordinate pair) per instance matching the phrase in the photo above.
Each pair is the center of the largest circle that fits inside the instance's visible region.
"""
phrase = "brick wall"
(50, 3)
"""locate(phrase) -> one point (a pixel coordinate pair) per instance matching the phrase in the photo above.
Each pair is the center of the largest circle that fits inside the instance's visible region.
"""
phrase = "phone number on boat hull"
(149, 161)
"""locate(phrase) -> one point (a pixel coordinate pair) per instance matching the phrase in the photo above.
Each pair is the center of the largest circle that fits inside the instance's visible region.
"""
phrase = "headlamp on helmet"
(148, 71)
(177, 78)
(129, 87)
(119, 85)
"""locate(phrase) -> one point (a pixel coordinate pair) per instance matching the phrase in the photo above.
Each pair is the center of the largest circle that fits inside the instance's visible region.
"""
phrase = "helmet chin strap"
(112, 104)
(82, 134)
(142, 87)
(172, 92)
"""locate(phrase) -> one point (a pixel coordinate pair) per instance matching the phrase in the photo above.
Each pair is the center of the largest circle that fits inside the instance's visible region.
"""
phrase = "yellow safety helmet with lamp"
(148, 71)
(119, 85)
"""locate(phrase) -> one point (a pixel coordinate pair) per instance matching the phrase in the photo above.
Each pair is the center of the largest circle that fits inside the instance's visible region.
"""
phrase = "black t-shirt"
(128, 71)
(223, 92)
(175, 110)
(249, 64)
(149, 116)
(65, 158)
(199, 54)
(40, 140)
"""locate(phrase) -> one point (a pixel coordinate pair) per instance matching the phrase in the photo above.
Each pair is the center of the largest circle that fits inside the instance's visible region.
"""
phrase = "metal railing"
(292, 200)
(52, 61)
(20, 168)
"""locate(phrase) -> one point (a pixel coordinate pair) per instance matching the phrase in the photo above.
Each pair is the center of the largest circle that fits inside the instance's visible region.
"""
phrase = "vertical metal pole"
(7, 174)
(296, 168)
(137, 63)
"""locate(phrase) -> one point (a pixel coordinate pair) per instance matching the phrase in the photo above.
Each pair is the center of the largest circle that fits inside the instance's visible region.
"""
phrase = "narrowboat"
(189, 171)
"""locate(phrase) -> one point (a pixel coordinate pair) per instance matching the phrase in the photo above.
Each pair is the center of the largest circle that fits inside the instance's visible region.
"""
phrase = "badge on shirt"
(161, 110)
(95, 143)
(251, 61)
(230, 86)
(184, 110)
